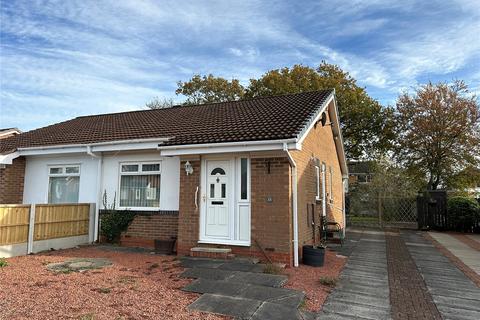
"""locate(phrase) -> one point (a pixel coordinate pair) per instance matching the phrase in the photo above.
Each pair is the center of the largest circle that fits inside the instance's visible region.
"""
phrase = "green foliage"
(367, 127)
(463, 214)
(465, 180)
(208, 89)
(3, 263)
(114, 222)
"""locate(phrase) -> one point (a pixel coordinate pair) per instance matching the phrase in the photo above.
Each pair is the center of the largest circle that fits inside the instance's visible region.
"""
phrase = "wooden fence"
(22, 224)
(61, 220)
(14, 222)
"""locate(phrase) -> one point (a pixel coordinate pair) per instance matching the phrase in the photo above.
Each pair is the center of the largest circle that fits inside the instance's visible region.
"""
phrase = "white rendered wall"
(36, 177)
(169, 181)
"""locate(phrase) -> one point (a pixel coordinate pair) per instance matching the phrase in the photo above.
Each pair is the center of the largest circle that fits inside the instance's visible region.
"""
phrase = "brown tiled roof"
(267, 118)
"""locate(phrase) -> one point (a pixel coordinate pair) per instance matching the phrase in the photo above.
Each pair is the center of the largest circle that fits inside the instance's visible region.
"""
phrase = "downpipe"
(294, 204)
(99, 195)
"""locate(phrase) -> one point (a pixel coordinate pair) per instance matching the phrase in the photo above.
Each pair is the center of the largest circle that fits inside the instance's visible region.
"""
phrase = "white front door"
(217, 214)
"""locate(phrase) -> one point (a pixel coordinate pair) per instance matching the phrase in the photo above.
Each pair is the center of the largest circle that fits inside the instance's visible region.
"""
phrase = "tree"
(157, 103)
(367, 127)
(207, 89)
(438, 131)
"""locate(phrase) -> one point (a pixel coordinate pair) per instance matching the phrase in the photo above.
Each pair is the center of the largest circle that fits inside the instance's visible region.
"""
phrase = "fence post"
(92, 223)
(380, 209)
(31, 229)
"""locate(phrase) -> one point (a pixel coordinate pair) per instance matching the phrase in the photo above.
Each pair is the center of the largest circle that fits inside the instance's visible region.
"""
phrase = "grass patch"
(272, 268)
(3, 263)
(88, 316)
(328, 281)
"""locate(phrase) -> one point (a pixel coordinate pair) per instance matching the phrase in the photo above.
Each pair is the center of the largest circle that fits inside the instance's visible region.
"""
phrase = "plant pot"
(313, 256)
(164, 246)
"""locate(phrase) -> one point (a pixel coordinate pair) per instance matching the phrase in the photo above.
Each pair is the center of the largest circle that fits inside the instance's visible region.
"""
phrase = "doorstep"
(214, 253)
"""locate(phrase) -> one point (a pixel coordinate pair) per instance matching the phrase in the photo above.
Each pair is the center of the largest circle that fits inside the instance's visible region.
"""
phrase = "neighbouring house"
(249, 176)
(8, 132)
(360, 172)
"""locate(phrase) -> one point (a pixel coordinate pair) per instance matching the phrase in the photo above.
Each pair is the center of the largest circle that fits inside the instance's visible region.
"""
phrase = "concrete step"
(214, 253)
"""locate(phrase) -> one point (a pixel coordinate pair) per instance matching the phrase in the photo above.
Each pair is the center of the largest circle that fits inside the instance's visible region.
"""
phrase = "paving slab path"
(240, 289)
(467, 254)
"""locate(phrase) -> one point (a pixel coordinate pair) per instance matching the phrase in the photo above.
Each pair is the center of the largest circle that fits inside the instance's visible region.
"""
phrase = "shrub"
(328, 281)
(3, 263)
(272, 268)
(463, 214)
(114, 222)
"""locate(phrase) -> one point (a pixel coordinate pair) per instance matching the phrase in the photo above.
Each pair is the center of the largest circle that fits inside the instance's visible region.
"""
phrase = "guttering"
(99, 190)
(118, 145)
(104, 143)
(8, 158)
(226, 147)
(294, 205)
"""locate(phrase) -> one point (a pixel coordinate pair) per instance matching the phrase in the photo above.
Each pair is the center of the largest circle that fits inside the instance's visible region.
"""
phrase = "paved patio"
(240, 289)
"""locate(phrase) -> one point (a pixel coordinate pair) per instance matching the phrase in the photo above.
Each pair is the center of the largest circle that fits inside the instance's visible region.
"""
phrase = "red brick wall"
(271, 221)
(11, 182)
(188, 215)
(144, 229)
(319, 144)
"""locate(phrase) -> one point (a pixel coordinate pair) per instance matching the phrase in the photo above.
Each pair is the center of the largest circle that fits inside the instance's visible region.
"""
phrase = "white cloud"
(81, 57)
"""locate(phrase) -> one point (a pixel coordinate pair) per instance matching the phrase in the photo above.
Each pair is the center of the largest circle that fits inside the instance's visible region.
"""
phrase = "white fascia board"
(228, 147)
(8, 158)
(335, 122)
(138, 144)
(317, 117)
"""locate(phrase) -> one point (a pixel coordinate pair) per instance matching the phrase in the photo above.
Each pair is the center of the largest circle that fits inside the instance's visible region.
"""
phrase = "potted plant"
(314, 255)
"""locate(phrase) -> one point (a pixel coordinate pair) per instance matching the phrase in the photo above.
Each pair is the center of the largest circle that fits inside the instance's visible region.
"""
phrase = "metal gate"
(432, 210)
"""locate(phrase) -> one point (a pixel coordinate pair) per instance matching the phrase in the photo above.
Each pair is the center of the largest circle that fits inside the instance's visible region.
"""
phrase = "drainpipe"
(99, 191)
(294, 205)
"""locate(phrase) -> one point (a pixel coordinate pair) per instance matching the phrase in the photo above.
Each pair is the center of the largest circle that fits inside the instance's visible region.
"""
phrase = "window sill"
(138, 208)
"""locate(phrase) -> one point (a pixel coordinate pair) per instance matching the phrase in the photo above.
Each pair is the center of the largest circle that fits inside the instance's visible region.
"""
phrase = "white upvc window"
(63, 183)
(140, 185)
(317, 183)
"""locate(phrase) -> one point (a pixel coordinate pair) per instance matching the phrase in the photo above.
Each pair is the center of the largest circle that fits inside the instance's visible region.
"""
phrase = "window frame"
(139, 172)
(239, 184)
(61, 175)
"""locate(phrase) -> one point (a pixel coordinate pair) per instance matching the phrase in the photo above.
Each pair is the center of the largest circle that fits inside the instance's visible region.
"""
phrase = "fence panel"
(14, 224)
(61, 220)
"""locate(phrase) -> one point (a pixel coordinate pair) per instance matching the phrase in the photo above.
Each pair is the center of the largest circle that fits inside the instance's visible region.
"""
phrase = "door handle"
(196, 198)
(204, 197)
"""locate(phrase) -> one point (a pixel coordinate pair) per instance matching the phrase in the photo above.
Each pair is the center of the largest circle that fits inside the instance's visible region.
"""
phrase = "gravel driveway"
(135, 286)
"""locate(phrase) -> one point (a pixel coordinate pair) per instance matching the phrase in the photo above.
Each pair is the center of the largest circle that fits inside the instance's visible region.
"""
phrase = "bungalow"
(251, 176)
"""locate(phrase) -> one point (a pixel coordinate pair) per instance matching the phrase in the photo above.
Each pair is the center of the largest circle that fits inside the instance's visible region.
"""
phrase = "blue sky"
(62, 59)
